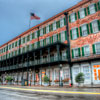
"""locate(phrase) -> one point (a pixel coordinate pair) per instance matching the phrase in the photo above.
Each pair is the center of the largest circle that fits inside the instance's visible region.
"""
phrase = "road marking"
(51, 91)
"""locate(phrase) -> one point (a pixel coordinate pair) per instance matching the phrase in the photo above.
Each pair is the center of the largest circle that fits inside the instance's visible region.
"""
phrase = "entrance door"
(96, 74)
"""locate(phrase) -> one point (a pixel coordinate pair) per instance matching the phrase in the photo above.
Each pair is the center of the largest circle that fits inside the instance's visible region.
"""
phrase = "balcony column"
(27, 68)
(34, 67)
(22, 67)
(49, 63)
(17, 67)
(41, 65)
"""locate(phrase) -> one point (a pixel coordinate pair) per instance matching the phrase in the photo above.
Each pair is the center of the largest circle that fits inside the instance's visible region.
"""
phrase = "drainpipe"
(68, 40)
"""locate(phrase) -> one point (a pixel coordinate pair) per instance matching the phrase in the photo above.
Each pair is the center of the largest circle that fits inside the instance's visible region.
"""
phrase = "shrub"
(66, 80)
(46, 79)
(80, 78)
(9, 78)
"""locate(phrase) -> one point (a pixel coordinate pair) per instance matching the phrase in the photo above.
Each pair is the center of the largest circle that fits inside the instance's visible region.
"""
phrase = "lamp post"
(60, 75)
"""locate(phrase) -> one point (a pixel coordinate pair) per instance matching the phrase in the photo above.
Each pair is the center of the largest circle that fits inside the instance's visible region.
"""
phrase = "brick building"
(60, 48)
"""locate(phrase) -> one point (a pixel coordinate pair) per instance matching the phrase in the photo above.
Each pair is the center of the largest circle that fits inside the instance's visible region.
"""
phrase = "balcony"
(37, 62)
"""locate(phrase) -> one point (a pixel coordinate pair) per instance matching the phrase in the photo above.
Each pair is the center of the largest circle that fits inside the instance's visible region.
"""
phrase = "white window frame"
(74, 53)
(72, 17)
(64, 54)
(80, 12)
(54, 26)
(55, 35)
(35, 34)
(95, 27)
(62, 36)
(47, 39)
(42, 42)
(47, 29)
(62, 22)
(86, 54)
(74, 34)
(85, 34)
(96, 48)
(41, 32)
(92, 9)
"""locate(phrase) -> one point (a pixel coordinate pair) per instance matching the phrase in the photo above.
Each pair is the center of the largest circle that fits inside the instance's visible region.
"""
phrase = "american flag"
(33, 16)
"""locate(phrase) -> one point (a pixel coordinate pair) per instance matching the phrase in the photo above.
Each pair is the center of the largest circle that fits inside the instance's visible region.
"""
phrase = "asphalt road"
(19, 95)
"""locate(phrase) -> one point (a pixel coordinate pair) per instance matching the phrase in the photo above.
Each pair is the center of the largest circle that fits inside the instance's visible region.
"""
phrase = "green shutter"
(88, 29)
(88, 10)
(72, 53)
(98, 24)
(69, 19)
(91, 28)
(80, 31)
(52, 39)
(56, 24)
(59, 36)
(75, 16)
(93, 47)
(38, 33)
(49, 28)
(44, 42)
(79, 52)
(64, 20)
(44, 30)
(85, 11)
(82, 51)
(99, 5)
(78, 14)
(65, 35)
(32, 35)
(77, 32)
(95, 5)
(71, 35)
(59, 24)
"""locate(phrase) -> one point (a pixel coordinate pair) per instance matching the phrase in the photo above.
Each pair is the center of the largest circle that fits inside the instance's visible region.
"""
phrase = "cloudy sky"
(15, 14)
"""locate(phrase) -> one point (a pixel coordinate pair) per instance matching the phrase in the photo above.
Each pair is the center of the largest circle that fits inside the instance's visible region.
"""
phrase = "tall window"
(84, 30)
(72, 16)
(92, 9)
(56, 74)
(82, 13)
(76, 53)
(62, 36)
(47, 29)
(35, 44)
(74, 34)
(66, 73)
(48, 40)
(35, 34)
(95, 26)
(41, 42)
(54, 25)
(41, 32)
(86, 51)
(55, 38)
(55, 57)
(64, 55)
(61, 22)
(97, 46)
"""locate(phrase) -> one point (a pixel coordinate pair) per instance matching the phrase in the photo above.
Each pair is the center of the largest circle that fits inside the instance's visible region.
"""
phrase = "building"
(60, 48)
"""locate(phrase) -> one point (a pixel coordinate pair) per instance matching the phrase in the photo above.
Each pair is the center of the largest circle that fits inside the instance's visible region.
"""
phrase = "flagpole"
(30, 21)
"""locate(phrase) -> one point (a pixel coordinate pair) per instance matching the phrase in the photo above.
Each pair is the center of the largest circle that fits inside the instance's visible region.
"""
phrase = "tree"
(79, 78)
(46, 79)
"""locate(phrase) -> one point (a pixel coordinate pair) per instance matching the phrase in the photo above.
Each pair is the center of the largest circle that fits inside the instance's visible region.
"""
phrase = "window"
(41, 32)
(97, 46)
(28, 38)
(86, 71)
(54, 25)
(76, 53)
(55, 38)
(65, 73)
(72, 17)
(61, 22)
(55, 57)
(92, 9)
(64, 55)
(56, 74)
(48, 40)
(74, 33)
(35, 44)
(63, 36)
(35, 34)
(95, 26)
(23, 39)
(76, 70)
(41, 42)
(82, 13)
(47, 29)
(86, 50)
(84, 30)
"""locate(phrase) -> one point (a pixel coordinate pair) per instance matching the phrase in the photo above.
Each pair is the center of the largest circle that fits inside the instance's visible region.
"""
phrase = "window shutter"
(93, 47)
(88, 10)
(77, 32)
(80, 31)
(64, 20)
(69, 19)
(51, 27)
(75, 16)
(44, 30)
(91, 28)
(65, 35)
(82, 51)
(71, 35)
(78, 14)
(79, 52)
(32, 35)
(99, 5)
(85, 11)
(59, 24)
(88, 29)
(98, 24)
(95, 5)
(52, 39)
(38, 33)
(59, 36)
(72, 53)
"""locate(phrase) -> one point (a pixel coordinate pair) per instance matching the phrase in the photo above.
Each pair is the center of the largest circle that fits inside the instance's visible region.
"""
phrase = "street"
(21, 95)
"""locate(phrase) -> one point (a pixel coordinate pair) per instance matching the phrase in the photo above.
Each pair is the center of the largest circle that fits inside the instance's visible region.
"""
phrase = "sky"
(15, 14)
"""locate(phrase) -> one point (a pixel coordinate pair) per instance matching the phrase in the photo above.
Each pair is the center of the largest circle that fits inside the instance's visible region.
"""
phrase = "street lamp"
(60, 75)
